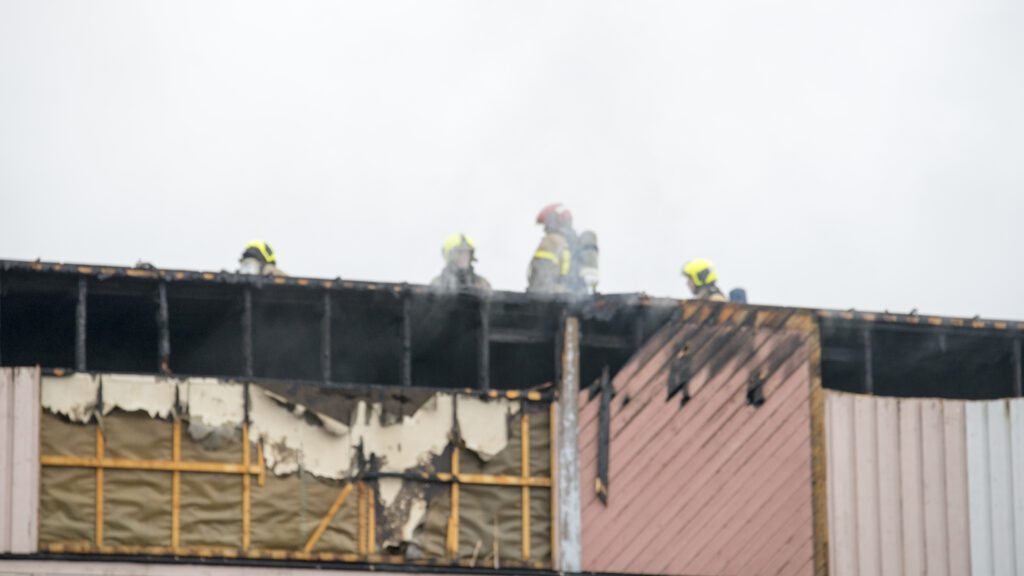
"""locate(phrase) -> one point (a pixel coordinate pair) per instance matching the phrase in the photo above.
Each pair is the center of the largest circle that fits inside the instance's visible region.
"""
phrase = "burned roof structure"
(179, 416)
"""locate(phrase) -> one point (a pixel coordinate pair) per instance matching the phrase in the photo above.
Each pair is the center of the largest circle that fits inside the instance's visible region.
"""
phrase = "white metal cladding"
(925, 486)
(19, 460)
(995, 449)
(897, 486)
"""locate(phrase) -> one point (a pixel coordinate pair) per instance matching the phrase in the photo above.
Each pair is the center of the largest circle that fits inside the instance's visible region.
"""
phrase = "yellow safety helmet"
(260, 250)
(457, 241)
(701, 271)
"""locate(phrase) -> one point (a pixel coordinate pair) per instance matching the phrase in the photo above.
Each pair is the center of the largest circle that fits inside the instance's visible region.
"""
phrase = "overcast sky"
(865, 154)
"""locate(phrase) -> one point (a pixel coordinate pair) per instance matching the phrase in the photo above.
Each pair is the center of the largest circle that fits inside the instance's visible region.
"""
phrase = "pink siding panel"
(715, 486)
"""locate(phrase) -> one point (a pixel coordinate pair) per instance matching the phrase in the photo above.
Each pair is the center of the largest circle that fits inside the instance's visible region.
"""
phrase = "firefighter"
(459, 253)
(555, 268)
(701, 277)
(259, 258)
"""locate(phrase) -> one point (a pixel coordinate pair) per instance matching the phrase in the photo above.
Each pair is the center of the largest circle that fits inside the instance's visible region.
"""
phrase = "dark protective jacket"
(452, 280)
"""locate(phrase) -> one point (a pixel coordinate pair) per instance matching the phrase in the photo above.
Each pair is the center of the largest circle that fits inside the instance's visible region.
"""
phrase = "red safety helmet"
(555, 214)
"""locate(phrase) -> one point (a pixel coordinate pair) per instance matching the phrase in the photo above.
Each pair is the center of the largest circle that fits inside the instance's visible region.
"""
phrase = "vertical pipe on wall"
(80, 320)
(325, 338)
(568, 481)
(163, 325)
(247, 369)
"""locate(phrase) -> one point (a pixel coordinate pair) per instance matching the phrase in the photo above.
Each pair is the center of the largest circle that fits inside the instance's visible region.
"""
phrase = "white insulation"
(290, 441)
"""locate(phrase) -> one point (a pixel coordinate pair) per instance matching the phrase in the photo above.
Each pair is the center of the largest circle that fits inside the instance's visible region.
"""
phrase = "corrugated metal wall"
(19, 460)
(925, 486)
(717, 485)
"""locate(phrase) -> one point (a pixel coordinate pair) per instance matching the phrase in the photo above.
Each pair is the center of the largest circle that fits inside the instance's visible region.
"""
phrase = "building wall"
(19, 460)
(925, 486)
(715, 485)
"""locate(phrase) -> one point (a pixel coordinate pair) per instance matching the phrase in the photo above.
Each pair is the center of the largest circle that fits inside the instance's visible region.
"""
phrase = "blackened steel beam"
(325, 338)
(604, 435)
(406, 339)
(869, 370)
(1018, 370)
(80, 324)
(484, 342)
(1, 317)
(164, 327)
(247, 332)
(638, 329)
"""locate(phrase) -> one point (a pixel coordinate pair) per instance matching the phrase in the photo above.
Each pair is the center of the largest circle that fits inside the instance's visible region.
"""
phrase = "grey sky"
(860, 154)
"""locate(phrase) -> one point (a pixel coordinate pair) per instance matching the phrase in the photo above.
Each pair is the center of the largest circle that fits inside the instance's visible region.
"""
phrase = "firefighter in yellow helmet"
(701, 277)
(459, 252)
(259, 258)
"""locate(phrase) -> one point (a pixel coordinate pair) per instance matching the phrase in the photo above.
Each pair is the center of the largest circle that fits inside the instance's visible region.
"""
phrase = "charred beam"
(604, 435)
(80, 324)
(406, 339)
(1, 317)
(869, 372)
(325, 338)
(1018, 370)
(484, 353)
(247, 333)
(164, 327)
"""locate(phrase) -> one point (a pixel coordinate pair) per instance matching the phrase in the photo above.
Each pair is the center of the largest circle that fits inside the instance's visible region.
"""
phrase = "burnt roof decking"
(355, 332)
(70, 317)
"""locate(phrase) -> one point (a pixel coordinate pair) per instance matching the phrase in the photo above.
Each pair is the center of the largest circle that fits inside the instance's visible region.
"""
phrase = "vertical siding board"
(24, 517)
(912, 479)
(1000, 486)
(934, 469)
(866, 474)
(830, 466)
(1017, 454)
(6, 457)
(842, 485)
(979, 499)
(956, 489)
(889, 488)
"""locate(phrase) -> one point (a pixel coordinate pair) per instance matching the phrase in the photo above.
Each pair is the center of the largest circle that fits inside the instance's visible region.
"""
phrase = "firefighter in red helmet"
(554, 268)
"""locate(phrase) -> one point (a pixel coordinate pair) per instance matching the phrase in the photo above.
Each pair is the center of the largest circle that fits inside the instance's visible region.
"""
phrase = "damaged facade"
(202, 466)
(302, 422)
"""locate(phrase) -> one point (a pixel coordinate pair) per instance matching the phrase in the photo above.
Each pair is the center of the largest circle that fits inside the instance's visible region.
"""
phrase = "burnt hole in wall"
(445, 336)
(286, 333)
(366, 338)
(205, 329)
(37, 321)
(121, 330)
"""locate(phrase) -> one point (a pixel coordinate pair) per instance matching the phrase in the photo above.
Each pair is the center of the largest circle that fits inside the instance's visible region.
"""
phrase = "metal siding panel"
(716, 481)
(979, 497)
(889, 489)
(866, 476)
(842, 485)
(1017, 450)
(933, 453)
(956, 488)
(6, 456)
(24, 517)
(1001, 487)
(911, 480)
